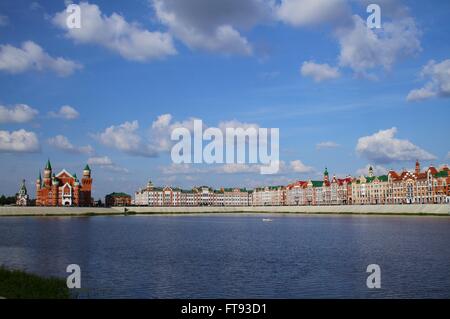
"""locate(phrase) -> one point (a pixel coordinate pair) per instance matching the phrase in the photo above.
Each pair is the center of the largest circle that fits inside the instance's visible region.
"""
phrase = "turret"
(85, 188)
(39, 181)
(417, 167)
(48, 174)
(87, 171)
(325, 175)
(55, 181)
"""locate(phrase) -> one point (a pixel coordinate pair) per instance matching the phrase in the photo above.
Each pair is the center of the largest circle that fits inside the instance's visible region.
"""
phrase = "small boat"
(267, 220)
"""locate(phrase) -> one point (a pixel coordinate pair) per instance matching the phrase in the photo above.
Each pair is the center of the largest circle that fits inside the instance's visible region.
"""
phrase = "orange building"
(63, 189)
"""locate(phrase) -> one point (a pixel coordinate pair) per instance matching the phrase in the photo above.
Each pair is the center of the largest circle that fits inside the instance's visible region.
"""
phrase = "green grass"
(17, 284)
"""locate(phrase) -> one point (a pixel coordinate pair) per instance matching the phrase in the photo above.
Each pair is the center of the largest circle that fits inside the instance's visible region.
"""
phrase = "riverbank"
(425, 209)
(17, 284)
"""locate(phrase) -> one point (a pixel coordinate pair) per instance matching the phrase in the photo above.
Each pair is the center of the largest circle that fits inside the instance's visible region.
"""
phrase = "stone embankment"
(438, 209)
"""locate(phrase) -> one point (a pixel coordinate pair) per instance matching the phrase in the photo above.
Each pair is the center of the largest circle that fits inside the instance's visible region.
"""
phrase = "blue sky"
(343, 96)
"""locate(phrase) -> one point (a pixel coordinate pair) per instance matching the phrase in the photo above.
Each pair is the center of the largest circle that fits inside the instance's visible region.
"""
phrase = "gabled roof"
(65, 172)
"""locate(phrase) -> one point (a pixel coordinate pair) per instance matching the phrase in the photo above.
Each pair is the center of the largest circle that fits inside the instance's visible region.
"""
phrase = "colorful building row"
(198, 196)
(431, 186)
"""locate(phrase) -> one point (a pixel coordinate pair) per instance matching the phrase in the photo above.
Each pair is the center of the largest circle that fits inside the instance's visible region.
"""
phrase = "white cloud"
(32, 57)
(130, 40)
(297, 166)
(237, 168)
(328, 144)
(438, 75)
(65, 112)
(20, 141)
(363, 49)
(162, 128)
(383, 147)
(319, 72)
(125, 138)
(61, 142)
(4, 20)
(213, 25)
(312, 12)
(100, 160)
(421, 94)
(19, 113)
(377, 170)
(448, 155)
(106, 163)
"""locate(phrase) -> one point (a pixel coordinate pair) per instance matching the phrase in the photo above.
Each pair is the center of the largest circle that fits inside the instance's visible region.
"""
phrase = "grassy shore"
(17, 284)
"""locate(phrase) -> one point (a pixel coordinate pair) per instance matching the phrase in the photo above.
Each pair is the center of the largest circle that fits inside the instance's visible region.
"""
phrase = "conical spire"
(48, 166)
(39, 176)
(87, 168)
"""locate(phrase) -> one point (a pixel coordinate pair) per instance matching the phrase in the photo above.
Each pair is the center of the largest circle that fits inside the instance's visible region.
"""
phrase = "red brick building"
(63, 189)
(117, 199)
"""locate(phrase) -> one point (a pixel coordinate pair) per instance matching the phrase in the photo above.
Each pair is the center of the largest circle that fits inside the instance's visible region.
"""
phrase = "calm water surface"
(230, 256)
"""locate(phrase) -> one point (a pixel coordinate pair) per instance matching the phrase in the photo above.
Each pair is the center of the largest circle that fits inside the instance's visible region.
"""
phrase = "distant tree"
(7, 200)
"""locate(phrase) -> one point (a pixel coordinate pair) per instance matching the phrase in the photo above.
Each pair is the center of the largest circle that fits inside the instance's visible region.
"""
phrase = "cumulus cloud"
(162, 128)
(384, 147)
(312, 12)
(30, 56)
(319, 72)
(106, 163)
(20, 141)
(130, 40)
(438, 85)
(61, 142)
(328, 144)
(19, 113)
(213, 25)
(65, 112)
(125, 138)
(297, 166)
(363, 49)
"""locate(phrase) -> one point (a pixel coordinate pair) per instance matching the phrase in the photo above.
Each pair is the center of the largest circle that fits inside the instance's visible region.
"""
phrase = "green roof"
(326, 172)
(118, 194)
(370, 179)
(317, 183)
(87, 168)
(442, 174)
(48, 166)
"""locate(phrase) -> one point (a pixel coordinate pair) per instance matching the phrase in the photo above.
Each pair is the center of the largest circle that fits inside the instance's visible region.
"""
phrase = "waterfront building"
(269, 196)
(22, 198)
(117, 199)
(416, 187)
(232, 197)
(64, 188)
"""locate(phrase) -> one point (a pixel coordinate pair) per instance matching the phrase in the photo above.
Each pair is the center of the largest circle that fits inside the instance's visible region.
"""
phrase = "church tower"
(370, 171)
(417, 167)
(22, 196)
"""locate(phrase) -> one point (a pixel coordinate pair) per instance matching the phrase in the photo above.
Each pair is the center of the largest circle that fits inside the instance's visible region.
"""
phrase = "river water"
(235, 256)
